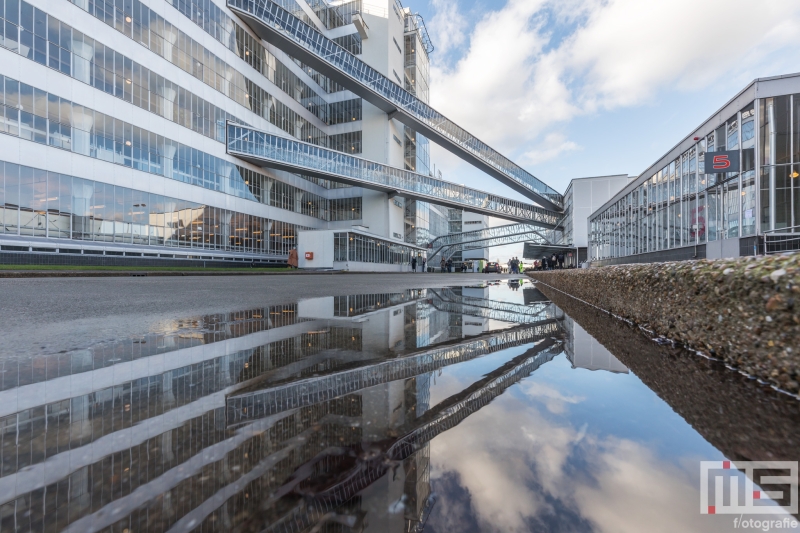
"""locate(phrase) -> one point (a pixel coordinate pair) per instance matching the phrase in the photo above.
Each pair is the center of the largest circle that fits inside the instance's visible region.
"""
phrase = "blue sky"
(574, 88)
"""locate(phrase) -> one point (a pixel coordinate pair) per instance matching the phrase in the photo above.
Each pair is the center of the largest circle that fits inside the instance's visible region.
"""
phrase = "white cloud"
(520, 77)
(554, 400)
(515, 463)
(553, 145)
(447, 28)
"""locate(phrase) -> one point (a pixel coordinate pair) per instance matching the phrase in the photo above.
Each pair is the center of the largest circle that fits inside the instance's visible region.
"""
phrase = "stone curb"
(742, 311)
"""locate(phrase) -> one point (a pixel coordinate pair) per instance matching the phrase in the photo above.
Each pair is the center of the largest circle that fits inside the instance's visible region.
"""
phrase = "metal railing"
(300, 40)
(269, 150)
(778, 241)
(489, 237)
(545, 315)
(259, 404)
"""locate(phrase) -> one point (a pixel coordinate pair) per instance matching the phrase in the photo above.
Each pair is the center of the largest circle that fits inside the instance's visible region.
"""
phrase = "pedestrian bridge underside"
(447, 245)
(279, 27)
(267, 150)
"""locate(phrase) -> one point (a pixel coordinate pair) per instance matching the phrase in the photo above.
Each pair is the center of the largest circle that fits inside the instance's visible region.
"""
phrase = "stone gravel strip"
(742, 311)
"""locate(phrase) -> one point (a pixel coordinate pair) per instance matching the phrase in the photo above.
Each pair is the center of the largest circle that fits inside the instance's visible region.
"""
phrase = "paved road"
(46, 315)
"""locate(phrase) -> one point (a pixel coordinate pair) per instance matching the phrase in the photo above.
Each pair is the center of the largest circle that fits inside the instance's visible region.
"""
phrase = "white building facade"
(114, 115)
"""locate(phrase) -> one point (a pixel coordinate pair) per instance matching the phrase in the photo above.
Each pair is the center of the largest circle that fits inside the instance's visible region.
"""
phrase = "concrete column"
(169, 45)
(169, 158)
(82, 57)
(81, 133)
(168, 109)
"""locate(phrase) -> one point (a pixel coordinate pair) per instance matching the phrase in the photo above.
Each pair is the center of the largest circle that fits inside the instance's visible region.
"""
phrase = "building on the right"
(728, 189)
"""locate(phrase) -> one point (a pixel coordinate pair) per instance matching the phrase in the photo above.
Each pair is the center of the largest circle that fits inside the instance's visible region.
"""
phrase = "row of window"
(227, 31)
(61, 47)
(363, 249)
(138, 22)
(339, 15)
(162, 38)
(41, 117)
(39, 203)
(681, 205)
(345, 208)
(345, 111)
(44, 39)
(779, 139)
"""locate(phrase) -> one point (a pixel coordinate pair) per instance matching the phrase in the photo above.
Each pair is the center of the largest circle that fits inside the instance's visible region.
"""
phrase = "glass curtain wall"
(779, 157)
(359, 248)
(681, 205)
(38, 203)
(44, 118)
(424, 222)
(345, 209)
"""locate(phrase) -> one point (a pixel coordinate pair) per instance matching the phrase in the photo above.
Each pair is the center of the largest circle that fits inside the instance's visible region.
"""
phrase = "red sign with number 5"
(722, 161)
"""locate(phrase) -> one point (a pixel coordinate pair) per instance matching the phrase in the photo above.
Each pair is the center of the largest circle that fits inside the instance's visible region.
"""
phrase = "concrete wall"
(482, 223)
(741, 311)
(588, 194)
(320, 243)
(379, 52)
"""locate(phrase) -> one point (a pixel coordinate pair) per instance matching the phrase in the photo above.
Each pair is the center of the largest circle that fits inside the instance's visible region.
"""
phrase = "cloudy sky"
(574, 88)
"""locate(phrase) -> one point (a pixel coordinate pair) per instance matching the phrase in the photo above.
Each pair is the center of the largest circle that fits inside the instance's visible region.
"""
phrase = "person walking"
(443, 263)
(424, 261)
(561, 260)
(414, 264)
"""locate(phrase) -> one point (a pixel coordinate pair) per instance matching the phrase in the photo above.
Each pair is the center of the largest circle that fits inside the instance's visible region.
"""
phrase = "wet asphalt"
(44, 315)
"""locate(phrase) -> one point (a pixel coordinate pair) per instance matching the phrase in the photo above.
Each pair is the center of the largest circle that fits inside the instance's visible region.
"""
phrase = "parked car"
(492, 267)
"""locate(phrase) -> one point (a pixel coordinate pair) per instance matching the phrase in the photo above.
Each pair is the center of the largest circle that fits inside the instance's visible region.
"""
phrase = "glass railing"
(363, 77)
(306, 158)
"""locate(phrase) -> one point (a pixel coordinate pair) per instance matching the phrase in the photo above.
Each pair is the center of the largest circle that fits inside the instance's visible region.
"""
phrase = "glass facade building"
(122, 123)
(677, 209)
(107, 150)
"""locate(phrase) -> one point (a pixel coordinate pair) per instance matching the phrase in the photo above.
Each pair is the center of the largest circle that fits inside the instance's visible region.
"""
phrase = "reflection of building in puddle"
(583, 351)
(150, 437)
(182, 335)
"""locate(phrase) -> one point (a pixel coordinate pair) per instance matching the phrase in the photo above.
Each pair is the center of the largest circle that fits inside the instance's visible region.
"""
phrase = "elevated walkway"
(441, 418)
(287, 32)
(489, 237)
(259, 404)
(267, 150)
(540, 314)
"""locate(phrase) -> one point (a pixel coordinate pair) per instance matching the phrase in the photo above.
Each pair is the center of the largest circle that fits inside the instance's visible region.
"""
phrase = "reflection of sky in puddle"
(568, 450)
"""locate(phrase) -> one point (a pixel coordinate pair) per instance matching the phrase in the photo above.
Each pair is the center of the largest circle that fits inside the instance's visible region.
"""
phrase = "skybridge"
(287, 32)
(268, 150)
(272, 400)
